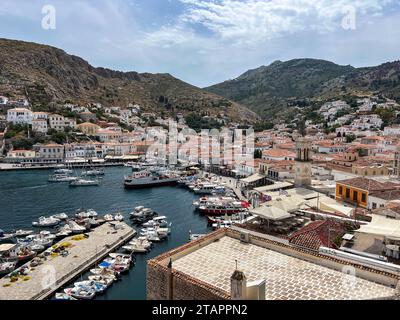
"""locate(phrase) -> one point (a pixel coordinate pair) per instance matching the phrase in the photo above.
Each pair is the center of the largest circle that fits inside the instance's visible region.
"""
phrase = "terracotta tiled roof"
(368, 184)
(278, 153)
(317, 234)
(387, 195)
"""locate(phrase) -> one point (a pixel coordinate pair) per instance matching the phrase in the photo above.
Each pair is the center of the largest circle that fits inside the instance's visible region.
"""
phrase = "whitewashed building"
(19, 116)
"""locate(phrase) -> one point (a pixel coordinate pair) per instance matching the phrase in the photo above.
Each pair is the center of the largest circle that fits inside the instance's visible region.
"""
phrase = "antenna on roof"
(236, 262)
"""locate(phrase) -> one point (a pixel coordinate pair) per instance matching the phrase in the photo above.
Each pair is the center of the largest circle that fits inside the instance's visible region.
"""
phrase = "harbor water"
(27, 195)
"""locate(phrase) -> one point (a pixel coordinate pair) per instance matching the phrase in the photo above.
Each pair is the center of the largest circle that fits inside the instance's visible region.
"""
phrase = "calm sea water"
(26, 195)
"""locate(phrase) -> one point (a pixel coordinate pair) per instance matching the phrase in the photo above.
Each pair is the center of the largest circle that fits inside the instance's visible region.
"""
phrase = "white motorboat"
(61, 178)
(63, 171)
(64, 231)
(76, 228)
(87, 214)
(118, 217)
(121, 256)
(46, 222)
(92, 285)
(105, 280)
(109, 217)
(6, 236)
(63, 296)
(23, 233)
(93, 172)
(37, 247)
(105, 272)
(7, 267)
(139, 245)
(80, 293)
(84, 183)
(205, 189)
(61, 216)
(195, 236)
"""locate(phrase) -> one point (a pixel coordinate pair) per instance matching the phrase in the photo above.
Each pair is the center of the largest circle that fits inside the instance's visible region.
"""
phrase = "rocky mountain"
(268, 90)
(47, 75)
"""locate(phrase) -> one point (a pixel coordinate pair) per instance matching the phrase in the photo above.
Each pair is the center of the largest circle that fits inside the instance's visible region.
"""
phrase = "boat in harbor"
(108, 217)
(7, 267)
(4, 237)
(204, 188)
(60, 216)
(44, 222)
(63, 296)
(23, 233)
(138, 245)
(93, 172)
(141, 215)
(63, 171)
(80, 182)
(17, 254)
(75, 227)
(147, 179)
(91, 285)
(84, 214)
(61, 178)
(118, 217)
(223, 207)
(81, 293)
(105, 280)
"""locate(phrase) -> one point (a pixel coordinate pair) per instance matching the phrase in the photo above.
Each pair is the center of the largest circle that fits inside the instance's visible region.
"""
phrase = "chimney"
(238, 286)
(170, 290)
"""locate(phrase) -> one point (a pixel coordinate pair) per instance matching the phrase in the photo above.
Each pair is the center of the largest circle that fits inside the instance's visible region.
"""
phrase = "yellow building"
(357, 190)
(88, 128)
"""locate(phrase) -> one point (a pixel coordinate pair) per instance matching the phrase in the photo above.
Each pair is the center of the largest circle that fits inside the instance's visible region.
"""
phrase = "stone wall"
(183, 287)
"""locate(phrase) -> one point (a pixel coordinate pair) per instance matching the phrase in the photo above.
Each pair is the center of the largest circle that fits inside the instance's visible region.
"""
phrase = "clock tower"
(303, 163)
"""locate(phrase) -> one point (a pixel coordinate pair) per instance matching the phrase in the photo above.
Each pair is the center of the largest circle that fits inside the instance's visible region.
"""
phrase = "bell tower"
(303, 163)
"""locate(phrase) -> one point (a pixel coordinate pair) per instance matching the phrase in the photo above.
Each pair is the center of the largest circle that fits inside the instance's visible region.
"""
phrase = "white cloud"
(253, 21)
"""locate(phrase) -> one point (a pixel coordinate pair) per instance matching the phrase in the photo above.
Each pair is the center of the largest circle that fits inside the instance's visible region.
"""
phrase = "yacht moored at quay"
(146, 179)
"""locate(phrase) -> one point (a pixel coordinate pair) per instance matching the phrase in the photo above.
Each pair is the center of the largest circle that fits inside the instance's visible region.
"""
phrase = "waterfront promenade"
(16, 167)
(57, 270)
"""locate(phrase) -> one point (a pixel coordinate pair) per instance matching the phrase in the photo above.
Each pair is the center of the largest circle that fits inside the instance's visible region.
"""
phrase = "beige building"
(370, 171)
(39, 125)
(88, 128)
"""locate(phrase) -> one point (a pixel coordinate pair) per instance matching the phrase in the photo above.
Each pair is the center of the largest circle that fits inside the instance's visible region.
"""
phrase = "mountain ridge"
(49, 75)
(267, 89)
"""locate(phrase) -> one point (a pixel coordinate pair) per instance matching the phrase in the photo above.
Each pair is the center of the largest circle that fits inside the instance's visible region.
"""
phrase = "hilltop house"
(19, 116)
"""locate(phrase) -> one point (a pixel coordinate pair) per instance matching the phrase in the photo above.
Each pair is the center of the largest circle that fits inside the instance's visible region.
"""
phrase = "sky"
(204, 42)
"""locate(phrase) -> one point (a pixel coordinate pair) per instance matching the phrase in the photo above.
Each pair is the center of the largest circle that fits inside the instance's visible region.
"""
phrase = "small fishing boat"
(195, 236)
(105, 280)
(63, 296)
(5, 236)
(63, 171)
(21, 254)
(60, 216)
(64, 231)
(81, 293)
(91, 285)
(37, 247)
(23, 233)
(76, 228)
(61, 178)
(93, 172)
(104, 272)
(84, 183)
(46, 222)
(118, 217)
(109, 217)
(7, 267)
